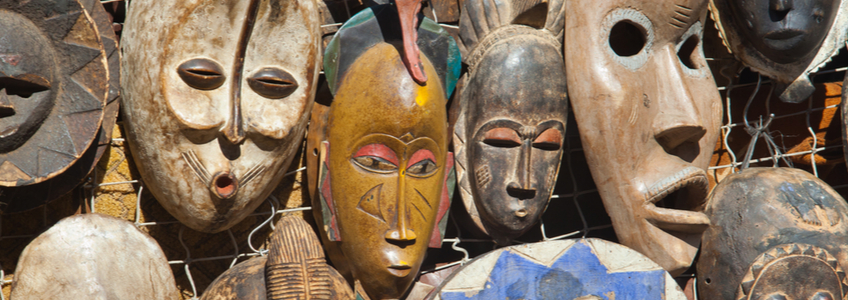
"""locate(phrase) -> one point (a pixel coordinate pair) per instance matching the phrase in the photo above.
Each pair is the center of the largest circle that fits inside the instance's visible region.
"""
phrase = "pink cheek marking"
(378, 150)
(421, 155)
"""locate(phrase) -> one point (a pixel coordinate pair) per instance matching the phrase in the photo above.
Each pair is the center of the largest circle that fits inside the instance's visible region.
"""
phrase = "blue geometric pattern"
(576, 273)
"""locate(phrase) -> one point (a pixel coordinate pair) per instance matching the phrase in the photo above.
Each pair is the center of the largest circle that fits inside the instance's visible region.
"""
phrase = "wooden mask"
(385, 180)
(785, 40)
(53, 86)
(577, 269)
(776, 233)
(21, 198)
(509, 133)
(217, 100)
(93, 256)
(649, 113)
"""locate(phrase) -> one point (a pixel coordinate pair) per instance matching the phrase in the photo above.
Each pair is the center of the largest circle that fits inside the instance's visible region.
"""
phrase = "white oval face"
(215, 100)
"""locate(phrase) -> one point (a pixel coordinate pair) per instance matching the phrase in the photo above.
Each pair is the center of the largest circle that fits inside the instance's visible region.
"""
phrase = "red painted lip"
(225, 185)
(400, 270)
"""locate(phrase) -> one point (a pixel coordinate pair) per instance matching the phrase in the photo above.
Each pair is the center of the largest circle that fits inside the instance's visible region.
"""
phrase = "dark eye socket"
(202, 74)
(627, 38)
(688, 52)
(422, 168)
(502, 137)
(375, 164)
(272, 83)
(24, 85)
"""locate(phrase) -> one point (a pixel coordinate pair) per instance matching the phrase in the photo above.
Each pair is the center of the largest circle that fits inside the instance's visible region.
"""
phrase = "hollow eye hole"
(627, 38)
(502, 137)
(272, 83)
(376, 158)
(202, 74)
(422, 163)
(688, 53)
(550, 140)
(24, 85)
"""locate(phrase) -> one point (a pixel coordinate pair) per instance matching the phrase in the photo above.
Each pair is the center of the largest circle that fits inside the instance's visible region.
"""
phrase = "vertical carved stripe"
(296, 268)
(235, 129)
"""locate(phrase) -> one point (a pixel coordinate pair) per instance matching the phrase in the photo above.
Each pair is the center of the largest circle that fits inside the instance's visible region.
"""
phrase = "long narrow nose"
(677, 120)
(522, 188)
(400, 233)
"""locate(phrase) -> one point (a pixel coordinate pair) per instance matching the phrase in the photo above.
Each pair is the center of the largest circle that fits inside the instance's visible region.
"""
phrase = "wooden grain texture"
(93, 256)
(565, 269)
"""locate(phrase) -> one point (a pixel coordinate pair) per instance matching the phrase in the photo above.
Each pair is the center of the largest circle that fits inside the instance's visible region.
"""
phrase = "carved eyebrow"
(681, 16)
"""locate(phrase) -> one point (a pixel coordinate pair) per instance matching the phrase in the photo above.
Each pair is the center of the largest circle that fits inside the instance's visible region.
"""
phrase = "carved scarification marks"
(254, 172)
(296, 267)
(483, 176)
(423, 216)
(370, 203)
(191, 159)
(681, 16)
(761, 273)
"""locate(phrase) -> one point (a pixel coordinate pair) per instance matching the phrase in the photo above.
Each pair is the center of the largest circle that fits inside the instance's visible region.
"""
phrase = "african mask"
(385, 179)
(294, 268)
(21, 198)
(218, 100)
(578, 269)
(648, 113)
(93, 256)
(776, 233)
(785, 40)
(509, 133)
(53, 85)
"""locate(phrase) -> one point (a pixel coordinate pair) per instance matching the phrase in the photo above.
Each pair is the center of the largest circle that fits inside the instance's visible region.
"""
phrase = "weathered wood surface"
(784, 40)
(510, 129)
(54, 77)
(649, 114)
(775, 232)
(565, 269)
(93, 256)
(218, 101)
(16, 199)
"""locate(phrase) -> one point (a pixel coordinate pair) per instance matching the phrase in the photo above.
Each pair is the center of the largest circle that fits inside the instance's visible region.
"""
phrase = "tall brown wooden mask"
(509, 133)
(216, 100)
(648, 113)
(53, 86)
(776, 233)
(785, 40)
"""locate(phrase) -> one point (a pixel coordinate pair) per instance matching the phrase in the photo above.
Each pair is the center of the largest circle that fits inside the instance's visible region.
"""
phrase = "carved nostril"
(673, 137)
(778, 9)
(404, 236)
(225, 185)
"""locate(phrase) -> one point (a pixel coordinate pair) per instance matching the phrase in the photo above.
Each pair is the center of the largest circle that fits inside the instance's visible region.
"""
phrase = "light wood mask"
(648, 112)
(217, 95)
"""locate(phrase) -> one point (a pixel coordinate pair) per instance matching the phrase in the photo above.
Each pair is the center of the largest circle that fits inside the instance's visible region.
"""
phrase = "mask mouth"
(783, 39)
(224, 185)
(674, 203)
(400, 270)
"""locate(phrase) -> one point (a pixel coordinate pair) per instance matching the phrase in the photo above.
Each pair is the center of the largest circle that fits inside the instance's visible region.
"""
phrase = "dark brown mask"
(513, 107)
(776, 233)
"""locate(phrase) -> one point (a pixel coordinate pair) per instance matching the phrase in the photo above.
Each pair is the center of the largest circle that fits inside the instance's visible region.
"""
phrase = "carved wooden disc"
(93, 256)
(53, 68)
(564, 269)
(17, 199)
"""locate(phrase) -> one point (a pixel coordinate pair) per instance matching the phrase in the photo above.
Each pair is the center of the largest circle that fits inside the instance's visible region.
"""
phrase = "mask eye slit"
(202, 74)
(502, 137)
(550, 139)
(376, 158)
(422, 163)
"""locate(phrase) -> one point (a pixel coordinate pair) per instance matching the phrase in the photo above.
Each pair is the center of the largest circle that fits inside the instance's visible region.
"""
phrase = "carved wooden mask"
(783, 39)
(776, 233)
(216, 100)
(513, 107)
(386, 170)
(53, 86)
(649, 113)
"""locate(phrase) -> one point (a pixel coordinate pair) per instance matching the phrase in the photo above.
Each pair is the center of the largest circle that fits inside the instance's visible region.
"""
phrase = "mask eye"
(272, 83)
(630, 35)
(550, 140)
(202, 74)
(776, 296)
(822, 296)
(689, 51)
(502, 137)
(376, 158)
(24, 85)
(422, 163)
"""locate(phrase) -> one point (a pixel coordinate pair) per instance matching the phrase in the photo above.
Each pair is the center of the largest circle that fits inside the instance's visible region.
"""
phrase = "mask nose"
(778, 9)
(400, 234)
(677, 121)
(522, 187)
(6, 107)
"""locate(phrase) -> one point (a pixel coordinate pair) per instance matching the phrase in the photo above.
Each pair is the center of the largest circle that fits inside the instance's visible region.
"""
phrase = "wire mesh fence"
(757, 131)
